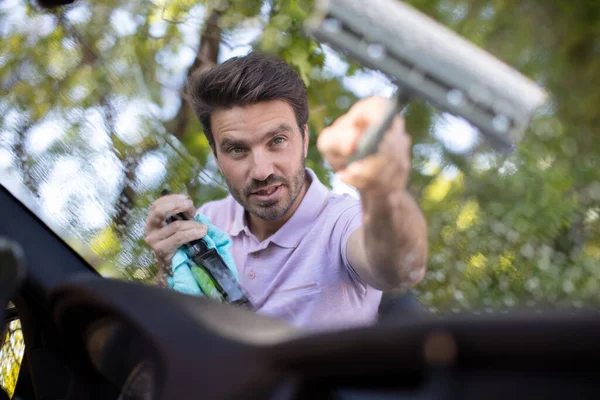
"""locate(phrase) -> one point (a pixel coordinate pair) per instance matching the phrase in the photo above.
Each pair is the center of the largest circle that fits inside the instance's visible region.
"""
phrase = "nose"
(262, 166)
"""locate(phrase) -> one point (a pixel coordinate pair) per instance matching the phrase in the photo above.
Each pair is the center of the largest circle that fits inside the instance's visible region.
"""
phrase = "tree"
(523, 229)
(100, 85)
(504, 230)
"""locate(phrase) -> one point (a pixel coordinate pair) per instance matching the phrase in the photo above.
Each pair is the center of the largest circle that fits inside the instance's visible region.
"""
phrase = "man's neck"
(263, 229)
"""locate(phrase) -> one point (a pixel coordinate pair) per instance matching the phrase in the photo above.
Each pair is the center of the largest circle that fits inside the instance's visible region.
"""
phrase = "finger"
(372, 113)
(397, 147)
(368, 111)
(156, 218)
(167, 247)
(365, 173)
(160, 279)
(168, 198)
(170, 205)
(165, 232)
(396, 140)
(340, 137)
(394, 133)
(339, 141)
(390, 165)
(167, 206)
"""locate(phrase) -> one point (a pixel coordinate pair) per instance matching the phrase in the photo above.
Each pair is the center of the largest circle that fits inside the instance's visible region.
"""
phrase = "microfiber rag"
(187, 277)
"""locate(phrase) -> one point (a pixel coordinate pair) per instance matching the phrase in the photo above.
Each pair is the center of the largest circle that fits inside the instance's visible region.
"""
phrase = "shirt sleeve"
(346, 223)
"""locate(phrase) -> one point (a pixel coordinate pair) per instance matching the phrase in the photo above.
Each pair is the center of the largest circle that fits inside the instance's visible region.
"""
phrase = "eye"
(235, 150)
(278, 140)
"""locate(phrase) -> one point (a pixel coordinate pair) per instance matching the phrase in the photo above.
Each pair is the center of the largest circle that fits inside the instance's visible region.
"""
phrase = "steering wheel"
(126, 332)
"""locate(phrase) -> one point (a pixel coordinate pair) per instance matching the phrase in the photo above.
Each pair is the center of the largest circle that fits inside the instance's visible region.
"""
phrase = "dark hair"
(247, 80)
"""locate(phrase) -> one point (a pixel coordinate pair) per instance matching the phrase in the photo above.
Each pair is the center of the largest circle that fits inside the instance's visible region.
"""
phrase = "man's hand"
(389, 250)
(387, 169)
(165, 240)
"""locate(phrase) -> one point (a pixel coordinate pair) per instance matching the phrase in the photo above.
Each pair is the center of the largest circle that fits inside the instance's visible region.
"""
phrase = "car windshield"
(94, 124)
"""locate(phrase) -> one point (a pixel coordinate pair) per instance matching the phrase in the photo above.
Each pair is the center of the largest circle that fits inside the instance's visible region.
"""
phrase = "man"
(315, 259)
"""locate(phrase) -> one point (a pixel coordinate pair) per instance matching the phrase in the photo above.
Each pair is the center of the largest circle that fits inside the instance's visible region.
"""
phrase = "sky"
(69, 176)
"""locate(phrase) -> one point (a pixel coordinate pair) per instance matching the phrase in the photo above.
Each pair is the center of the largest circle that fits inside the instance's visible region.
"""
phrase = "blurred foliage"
(520, 230)
(11, 354)
(93, 94)
(93, 97)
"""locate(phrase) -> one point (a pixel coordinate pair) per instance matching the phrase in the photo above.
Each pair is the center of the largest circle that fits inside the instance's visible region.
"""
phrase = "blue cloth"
(182, 279)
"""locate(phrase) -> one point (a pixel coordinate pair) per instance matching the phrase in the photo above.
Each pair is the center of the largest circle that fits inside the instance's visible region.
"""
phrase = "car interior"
(89, 336)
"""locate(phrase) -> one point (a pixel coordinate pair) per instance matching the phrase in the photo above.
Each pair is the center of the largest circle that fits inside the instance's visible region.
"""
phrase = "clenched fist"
(386, 170)
(163, 239)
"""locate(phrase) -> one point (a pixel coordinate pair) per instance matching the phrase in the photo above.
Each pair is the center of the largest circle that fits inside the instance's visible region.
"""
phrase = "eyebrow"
(283, 127)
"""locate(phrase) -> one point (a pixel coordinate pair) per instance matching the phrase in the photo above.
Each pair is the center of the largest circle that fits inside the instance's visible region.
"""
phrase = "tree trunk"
(23, 160)
(206, 57)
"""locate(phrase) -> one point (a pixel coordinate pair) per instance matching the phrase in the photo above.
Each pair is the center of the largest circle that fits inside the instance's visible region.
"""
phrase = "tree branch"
(129, 159)
(206, 57)
(23, 159)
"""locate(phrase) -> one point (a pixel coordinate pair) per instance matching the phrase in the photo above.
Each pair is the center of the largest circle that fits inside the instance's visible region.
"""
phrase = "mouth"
(267, 194)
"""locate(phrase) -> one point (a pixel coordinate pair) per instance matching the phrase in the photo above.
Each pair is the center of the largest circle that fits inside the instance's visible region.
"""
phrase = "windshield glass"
(94, 124)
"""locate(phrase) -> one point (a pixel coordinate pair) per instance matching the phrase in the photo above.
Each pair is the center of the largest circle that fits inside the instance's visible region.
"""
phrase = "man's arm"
(390, 249)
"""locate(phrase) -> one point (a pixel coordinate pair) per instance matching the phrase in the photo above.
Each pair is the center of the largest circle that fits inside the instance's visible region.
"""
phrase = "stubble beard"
(272, 211)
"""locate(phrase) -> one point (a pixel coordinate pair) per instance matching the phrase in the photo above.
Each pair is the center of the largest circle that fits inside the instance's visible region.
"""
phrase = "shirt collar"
(239, 224)
(293, 230)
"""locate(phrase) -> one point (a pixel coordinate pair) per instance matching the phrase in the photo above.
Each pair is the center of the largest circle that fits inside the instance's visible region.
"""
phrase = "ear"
(306, 140)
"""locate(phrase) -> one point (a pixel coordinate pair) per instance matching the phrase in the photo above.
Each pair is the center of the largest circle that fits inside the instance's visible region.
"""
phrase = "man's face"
(261, 153)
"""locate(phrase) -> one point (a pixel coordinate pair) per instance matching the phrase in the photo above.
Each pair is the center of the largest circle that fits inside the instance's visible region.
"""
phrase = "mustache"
(258, 185)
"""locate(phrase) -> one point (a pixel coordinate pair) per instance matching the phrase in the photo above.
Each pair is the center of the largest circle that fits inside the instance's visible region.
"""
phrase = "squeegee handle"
(368, 143)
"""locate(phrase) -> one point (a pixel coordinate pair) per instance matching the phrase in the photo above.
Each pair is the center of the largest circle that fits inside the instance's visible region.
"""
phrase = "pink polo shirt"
(301, 273)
